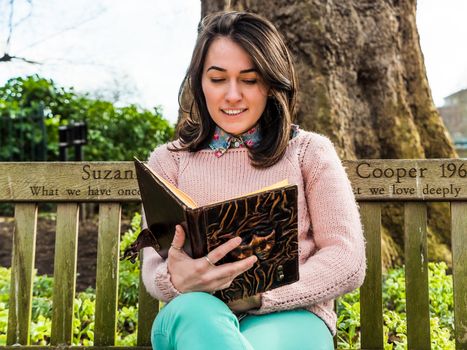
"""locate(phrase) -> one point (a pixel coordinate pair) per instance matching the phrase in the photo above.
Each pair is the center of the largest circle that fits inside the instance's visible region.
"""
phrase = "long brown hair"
(271, 58)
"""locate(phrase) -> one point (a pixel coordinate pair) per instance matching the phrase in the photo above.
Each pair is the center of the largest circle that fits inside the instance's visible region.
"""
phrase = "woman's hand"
(198, 275)
(242, 305)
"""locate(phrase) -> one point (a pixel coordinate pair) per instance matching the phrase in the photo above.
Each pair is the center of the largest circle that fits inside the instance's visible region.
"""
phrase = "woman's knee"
(293, 329)
(196, 304)
(193, 308)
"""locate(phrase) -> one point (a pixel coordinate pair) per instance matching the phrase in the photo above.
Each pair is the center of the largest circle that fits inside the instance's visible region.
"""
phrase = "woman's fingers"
(217, 254)
(225, 273)
(208, 276)
(179, 238)
(222, 275)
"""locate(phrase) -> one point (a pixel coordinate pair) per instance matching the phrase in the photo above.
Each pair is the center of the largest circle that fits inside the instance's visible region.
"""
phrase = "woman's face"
(235, 93)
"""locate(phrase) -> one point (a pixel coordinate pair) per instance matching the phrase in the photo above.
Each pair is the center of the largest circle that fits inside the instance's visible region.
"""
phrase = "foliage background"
(114, 133)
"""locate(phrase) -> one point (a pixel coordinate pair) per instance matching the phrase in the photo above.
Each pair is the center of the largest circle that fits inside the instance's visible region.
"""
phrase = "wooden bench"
(413, 182)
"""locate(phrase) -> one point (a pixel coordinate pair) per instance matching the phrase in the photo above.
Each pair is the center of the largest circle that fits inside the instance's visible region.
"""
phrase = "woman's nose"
(234, 93)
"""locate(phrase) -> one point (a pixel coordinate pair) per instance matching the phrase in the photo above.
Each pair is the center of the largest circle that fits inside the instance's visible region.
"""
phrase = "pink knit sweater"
(331, 245)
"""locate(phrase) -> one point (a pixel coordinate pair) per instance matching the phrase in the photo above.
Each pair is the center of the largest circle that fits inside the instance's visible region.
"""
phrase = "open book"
(266, 221)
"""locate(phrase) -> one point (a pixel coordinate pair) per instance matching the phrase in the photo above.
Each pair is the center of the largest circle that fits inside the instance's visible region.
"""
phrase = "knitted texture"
(331, 244)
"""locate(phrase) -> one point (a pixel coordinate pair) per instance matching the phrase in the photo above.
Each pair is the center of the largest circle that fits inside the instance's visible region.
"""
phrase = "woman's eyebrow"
(248, 70)
(225, 70)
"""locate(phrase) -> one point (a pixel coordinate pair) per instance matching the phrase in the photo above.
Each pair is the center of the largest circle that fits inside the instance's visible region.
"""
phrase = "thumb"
(179, 238)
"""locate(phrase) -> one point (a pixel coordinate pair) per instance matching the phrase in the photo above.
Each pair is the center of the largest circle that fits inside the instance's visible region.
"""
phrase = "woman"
(239, 137)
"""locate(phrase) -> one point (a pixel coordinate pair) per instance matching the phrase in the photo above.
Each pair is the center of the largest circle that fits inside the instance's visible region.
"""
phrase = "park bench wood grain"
(412, 182)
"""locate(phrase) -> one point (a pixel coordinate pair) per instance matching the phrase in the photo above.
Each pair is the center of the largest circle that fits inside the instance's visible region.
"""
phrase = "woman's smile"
(233, 112)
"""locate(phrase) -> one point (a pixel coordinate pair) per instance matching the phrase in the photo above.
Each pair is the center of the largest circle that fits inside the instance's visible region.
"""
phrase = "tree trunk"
(363, 84)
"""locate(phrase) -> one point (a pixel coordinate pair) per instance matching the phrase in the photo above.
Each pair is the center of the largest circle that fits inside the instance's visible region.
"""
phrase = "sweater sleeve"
(155, 274)
(338, 264)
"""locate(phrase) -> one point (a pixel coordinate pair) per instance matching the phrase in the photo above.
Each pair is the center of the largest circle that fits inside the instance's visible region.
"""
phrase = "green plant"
(4, 293)
(441, 291)
(5, 279)
(348, 322)
(3, 322)
(129, 272)
(394, 316)
(43, 286)
(40, 330)
(83, 322)
(126, 326)
(31, 106)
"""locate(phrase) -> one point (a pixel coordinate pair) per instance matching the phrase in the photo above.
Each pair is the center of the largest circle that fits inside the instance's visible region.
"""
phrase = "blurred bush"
(32, 108)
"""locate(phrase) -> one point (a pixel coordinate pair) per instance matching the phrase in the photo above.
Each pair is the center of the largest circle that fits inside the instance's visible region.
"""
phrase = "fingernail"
(238, 240)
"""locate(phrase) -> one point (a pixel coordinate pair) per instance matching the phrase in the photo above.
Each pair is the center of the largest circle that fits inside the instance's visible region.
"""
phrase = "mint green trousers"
(199, 321)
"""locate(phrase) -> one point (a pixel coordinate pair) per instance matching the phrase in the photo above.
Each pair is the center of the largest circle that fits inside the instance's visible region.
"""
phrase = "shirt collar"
(222, 140)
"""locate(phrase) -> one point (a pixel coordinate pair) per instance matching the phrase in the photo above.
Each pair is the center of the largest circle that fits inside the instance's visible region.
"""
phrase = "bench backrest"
(413, 182)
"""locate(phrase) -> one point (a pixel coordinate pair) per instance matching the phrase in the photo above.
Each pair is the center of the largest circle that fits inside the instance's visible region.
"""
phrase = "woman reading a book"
(238, 138)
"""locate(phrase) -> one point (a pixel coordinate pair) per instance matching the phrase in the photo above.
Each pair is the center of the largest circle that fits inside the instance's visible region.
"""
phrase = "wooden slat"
(459, 264)
(408, 179)
(146, 318)
(108, 250)
(72, 182)
(66, 243)
(416, 276)
(24, 241)
(372, 180)
(371, 299)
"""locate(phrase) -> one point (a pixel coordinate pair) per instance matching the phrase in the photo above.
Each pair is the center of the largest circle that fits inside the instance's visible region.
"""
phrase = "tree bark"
(363, 84)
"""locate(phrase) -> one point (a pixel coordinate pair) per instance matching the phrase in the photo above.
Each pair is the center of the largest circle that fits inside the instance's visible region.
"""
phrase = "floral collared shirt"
(222, 140)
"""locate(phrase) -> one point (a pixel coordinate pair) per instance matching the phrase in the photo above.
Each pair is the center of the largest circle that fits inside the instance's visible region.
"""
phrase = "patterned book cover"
(266, 221)
(267, 224)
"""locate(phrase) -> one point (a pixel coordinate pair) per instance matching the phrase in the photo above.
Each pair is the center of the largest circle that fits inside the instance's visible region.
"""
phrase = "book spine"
(196, 232)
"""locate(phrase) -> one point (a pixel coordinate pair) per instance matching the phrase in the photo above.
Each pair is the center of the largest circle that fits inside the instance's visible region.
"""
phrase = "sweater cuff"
(164, 284)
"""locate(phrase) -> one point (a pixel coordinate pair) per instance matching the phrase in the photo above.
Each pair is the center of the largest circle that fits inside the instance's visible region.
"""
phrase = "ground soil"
(45, 242)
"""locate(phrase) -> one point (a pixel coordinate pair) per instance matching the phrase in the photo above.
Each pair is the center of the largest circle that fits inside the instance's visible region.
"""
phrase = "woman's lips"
(233, 111)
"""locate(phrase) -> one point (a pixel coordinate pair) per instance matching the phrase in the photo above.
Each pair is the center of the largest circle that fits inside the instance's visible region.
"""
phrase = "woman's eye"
(216, 80)
(250, 81)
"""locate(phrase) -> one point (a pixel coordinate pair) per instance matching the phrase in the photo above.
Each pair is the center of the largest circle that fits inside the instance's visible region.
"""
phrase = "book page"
(185, 198)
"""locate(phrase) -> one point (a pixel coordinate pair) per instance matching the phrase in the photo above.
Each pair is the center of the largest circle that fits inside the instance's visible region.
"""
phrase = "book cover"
(265, 220)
